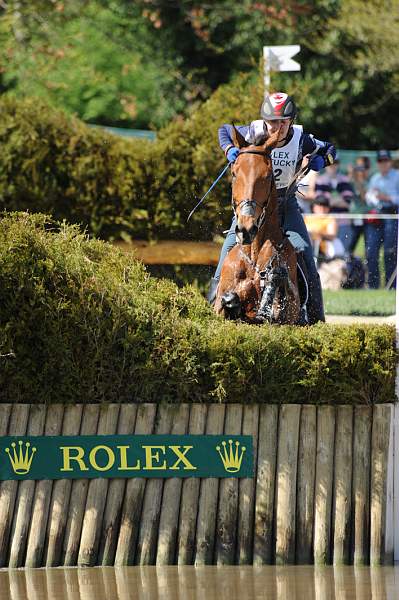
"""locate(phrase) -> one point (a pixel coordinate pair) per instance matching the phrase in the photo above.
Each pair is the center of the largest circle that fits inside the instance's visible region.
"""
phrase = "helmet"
(278, 106)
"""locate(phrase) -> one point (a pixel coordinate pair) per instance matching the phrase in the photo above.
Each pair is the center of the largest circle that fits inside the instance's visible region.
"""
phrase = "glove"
(317, 163)
(232, 154)
(324, 157)
(329, 154)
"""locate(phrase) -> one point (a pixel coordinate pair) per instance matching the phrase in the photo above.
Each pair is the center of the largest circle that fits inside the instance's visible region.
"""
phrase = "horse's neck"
(270, 230)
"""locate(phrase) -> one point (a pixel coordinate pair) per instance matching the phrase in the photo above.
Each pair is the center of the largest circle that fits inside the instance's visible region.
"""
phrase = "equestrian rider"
(279, 111)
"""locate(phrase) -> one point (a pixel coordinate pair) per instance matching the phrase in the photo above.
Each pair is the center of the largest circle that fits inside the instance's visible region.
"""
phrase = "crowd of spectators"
(369, 199)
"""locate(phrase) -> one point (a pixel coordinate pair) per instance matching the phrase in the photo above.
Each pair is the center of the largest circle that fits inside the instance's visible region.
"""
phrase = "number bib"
(285, 159)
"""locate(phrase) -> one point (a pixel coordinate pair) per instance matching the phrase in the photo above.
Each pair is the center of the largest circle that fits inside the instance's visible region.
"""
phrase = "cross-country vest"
(285, 159)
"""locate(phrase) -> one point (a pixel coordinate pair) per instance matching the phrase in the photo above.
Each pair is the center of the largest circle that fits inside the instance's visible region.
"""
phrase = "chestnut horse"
(258, 281)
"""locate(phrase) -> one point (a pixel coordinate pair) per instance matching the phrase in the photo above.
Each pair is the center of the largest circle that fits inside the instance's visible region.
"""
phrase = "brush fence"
(321, 492)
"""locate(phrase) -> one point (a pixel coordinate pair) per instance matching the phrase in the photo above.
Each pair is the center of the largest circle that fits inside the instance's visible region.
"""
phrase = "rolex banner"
(72, 457)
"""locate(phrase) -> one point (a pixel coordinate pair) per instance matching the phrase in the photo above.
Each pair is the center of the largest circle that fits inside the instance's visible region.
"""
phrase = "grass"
(360, 302)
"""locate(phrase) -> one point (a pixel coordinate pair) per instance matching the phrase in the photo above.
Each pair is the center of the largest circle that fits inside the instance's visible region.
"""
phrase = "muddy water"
(202, 583)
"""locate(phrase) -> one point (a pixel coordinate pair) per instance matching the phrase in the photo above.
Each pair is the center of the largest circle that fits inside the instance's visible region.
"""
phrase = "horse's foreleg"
(228, 303)
(293, 303)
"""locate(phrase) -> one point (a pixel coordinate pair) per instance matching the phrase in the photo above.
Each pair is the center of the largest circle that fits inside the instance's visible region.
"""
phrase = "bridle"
(248, 207)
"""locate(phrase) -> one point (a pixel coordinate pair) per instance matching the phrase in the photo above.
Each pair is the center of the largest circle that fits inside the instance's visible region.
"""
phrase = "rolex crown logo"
(231, 457)
(20, 460)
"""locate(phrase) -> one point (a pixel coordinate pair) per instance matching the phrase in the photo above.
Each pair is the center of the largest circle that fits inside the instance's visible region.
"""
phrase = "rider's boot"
(211, 295)
(315, 304)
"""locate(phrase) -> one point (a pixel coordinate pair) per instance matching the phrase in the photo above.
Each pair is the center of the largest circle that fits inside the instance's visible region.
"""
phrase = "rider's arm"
(225, 135)
(322, 153)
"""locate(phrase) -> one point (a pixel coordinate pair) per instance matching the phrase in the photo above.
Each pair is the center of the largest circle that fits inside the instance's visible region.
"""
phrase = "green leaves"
(87, 324)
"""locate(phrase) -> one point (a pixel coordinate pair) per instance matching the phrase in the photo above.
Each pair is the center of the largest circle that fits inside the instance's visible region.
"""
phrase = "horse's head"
(252, 185)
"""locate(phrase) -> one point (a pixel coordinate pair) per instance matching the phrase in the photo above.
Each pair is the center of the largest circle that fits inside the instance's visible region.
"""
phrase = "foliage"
(80, 322)
(90, 59)
(116, 187)
(142, 63)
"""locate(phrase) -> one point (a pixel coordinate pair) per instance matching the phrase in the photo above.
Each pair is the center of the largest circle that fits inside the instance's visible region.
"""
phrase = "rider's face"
(283, 124)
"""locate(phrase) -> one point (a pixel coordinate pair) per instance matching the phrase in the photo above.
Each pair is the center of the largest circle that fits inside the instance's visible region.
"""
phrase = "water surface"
(201, 583)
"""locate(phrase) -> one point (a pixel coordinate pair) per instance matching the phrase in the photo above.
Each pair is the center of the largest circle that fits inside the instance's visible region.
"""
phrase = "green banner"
(73, 457)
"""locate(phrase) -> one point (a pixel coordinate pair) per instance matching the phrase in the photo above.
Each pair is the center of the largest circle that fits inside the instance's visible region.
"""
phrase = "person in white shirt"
(383, 197)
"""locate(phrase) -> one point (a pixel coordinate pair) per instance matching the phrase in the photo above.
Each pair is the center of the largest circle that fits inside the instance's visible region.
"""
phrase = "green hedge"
(121, 188)
(80, 322)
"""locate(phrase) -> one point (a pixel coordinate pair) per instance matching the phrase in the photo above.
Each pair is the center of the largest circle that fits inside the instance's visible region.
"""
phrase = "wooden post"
(8, 489)
(132, 504)
(116, 492)
(148, 533)
(5, 414)
(306, 482)
(323, 485)
(190, 495)
(61, 495)
(378, 495)
(389, 519)
(342, 489)
(41, 502)
(26, 490)
(96, 496)
(226, 527)
(265, 485)
(206, 521)
(361, 485)
(169, 518)
(286, 480)
(77, 503)
(246, 514)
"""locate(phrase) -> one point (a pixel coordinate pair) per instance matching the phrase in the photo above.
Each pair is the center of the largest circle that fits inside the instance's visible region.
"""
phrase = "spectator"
(360, 175)
(383, 197)
(341, 192)
(323, 229)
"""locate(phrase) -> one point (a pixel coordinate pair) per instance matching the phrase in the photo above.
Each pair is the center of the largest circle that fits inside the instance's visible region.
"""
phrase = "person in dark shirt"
(342, 194)
(294, 146)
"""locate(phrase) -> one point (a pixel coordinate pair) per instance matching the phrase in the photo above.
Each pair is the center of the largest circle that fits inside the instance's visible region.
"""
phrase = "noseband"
(249, 206)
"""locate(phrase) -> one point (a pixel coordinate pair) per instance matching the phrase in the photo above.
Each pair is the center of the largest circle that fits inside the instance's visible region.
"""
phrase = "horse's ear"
(238, 138)
(272, 140)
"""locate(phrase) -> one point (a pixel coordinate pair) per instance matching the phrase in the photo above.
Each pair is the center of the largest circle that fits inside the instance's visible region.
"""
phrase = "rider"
(279, 111)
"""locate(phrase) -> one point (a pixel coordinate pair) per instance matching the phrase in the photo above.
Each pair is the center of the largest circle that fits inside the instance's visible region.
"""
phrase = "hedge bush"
(81, 322)
(121, 188)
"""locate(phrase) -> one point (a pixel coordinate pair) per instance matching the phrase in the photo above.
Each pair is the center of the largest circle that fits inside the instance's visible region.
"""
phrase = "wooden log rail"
(173, 252)
(318, 495)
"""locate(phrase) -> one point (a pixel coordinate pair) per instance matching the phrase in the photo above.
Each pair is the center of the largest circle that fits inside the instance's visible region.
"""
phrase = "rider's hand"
(232, 154)
(325, 156)
(329, 154)
(317, 163)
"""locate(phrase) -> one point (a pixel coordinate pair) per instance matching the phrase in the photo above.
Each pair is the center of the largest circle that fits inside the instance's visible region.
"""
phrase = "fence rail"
(321, 490)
